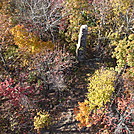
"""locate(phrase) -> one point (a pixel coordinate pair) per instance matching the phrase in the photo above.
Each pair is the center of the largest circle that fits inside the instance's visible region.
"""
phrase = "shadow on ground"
(63, 115)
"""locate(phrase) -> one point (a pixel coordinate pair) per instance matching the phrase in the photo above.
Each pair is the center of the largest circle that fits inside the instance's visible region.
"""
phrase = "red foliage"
(12, 91)
(118, 118)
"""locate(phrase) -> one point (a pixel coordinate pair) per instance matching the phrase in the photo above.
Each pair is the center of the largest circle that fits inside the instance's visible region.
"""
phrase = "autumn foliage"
(100, 89)
(27, 41)
(38, 67)
(111, 116)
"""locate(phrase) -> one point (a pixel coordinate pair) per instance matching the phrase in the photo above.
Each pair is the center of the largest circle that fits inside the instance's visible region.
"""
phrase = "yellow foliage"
(28, 41)
(77, 9)
(100, 90)
(121, 5)
(42, 120)
(124, 52)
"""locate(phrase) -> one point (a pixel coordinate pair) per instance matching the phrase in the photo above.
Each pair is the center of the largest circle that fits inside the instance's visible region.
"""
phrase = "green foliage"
(41, 120)
(124, 51)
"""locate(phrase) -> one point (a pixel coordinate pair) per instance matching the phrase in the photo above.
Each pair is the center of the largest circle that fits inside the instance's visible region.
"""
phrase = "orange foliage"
(87, 118)
(27, 41)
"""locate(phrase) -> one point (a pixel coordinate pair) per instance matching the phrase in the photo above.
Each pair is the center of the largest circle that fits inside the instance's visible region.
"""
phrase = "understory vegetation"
(39, 68)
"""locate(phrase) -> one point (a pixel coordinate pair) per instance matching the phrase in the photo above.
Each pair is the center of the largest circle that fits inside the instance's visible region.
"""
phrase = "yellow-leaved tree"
(28, 41)
(121, 5)
(100, 90)
(77, 12)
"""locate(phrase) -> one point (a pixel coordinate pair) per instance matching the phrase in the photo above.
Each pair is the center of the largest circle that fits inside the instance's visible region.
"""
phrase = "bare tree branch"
(46, 14)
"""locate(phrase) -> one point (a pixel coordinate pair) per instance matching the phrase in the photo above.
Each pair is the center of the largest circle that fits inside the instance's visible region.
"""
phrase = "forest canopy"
(42, 82)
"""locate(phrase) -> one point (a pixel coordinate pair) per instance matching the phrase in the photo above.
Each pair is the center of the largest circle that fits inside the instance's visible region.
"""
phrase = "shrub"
(99, 93)
(128, 79)
(121, 6)
(124, 52)
(102, 117)
(85, 115)
(40, 16)
(118, 117)
(41, 120)
(113, 17)
(27, 41)
(100, 88)
(15, 93)
(17, 107)
(7, 7)
(77, 14)
(53, 68)
(77, 9)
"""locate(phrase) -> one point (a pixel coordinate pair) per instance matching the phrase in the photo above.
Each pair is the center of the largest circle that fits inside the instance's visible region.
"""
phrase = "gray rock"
(81, 46)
